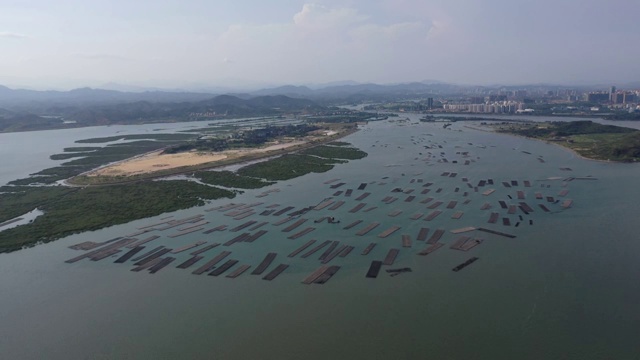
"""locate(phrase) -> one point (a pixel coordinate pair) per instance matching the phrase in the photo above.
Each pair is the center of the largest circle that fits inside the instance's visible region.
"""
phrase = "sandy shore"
(156, 161)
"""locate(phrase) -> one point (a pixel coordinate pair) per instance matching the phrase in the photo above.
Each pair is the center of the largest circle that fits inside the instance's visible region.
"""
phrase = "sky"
(62, 44)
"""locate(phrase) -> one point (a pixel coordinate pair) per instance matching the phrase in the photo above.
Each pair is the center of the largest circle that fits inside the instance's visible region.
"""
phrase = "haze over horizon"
(170, 44)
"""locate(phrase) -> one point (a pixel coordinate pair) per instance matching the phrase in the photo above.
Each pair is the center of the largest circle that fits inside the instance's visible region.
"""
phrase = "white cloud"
(320, 17)
(99, 56)
(12, 35)
(322, 42)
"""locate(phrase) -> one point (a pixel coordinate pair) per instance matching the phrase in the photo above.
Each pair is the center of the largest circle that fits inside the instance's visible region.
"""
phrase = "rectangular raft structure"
(389, 231)
(367, 229)
(275, 272)
(368, 249)
(374, 269)
(433, 247)
(264, 264)
(239, 271)
(406, 241)
(391, 257)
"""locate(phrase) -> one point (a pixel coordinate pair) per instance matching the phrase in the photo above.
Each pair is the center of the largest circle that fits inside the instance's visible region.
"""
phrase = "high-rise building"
(612, 92)
(430, 103)
(629, 98)
(598, 97)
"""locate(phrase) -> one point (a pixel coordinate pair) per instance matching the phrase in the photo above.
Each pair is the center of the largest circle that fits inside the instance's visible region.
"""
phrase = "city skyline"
(171, 45)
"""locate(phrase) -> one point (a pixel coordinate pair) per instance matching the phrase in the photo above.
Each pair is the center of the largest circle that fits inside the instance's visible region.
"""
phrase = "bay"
(565, 287)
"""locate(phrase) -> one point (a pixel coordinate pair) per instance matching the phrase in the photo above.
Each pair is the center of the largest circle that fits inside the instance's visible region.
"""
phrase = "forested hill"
(223, 106)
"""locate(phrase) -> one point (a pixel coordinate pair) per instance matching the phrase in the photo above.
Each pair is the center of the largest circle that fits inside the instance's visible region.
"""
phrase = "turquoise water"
(565, 288)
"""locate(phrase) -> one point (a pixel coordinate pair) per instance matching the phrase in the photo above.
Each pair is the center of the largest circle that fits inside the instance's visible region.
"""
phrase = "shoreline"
(572, 151)
(181, 170)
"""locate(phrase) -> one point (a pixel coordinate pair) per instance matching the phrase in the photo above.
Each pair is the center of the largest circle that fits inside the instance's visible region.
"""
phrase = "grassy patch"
(589, 139)
(288, 167)
(618, 147)
(316, 159)
(333, 152)
(231, 179)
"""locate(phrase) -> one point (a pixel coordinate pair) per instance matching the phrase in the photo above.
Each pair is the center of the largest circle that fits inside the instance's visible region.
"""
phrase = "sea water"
(565, 288)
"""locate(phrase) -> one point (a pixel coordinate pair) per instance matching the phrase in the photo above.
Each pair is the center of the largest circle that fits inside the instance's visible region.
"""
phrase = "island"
(109, 185)
(588, 139)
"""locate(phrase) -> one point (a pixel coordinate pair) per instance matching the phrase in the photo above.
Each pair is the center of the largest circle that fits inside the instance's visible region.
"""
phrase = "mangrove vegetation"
(589, 139)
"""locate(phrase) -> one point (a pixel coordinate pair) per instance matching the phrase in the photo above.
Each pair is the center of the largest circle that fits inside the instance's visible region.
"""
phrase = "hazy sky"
(63, 43)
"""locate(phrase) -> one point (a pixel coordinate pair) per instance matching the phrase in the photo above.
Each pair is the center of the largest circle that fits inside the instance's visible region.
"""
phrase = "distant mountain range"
(49, 116)
(86, 96)
(26, 109)
(346, 91)
(331, 93)
(361, 92)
